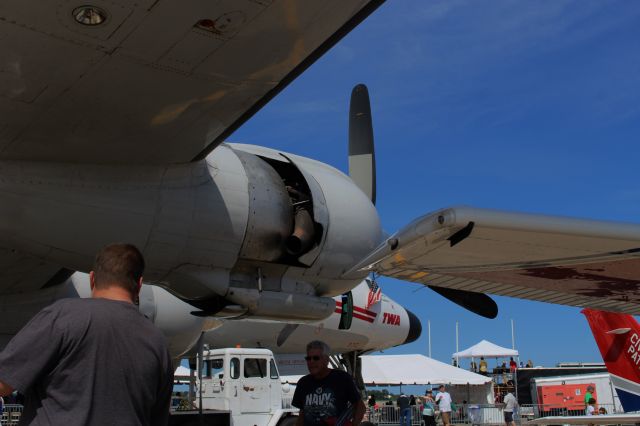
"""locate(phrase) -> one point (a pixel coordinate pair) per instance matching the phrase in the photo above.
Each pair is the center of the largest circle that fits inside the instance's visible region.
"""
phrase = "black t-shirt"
(403, 402)
(90, 362)
(323, 401)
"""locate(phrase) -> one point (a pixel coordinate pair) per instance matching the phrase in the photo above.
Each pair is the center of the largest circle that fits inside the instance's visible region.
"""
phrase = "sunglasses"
(315, 358)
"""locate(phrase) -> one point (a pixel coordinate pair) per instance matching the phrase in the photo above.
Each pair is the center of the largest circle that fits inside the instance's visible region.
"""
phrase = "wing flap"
(546, 258)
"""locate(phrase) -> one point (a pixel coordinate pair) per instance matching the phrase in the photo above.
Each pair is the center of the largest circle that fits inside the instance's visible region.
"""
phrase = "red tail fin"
(618, 338)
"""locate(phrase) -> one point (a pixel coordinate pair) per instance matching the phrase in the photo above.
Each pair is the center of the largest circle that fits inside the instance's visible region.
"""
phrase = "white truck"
(240, 387)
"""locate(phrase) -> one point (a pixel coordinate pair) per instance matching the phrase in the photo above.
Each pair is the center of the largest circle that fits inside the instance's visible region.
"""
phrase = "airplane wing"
(546, 258)
(20, 272)
(151, 81)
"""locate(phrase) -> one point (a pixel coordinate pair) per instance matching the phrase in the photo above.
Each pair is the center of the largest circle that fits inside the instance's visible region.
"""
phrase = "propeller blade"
(285, 333)
(478, 303)
(362, 161)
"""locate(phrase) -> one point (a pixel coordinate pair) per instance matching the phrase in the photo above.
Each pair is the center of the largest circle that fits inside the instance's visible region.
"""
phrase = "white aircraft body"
(358, 328)
(382, 325)
(113, 117)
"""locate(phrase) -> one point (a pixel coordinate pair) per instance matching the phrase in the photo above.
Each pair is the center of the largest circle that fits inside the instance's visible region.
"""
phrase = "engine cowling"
(332, 223)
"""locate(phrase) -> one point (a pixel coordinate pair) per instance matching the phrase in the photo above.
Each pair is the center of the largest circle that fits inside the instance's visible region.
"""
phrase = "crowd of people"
(436, 404)
(483, 368)
(591, 403)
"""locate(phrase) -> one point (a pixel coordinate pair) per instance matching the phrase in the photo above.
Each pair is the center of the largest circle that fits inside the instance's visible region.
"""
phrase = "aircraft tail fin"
(618, 338)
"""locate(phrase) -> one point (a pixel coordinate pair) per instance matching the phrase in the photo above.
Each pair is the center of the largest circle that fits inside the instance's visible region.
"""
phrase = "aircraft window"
(347, 312)
(273, 370)
(234, 368)
(255, 367)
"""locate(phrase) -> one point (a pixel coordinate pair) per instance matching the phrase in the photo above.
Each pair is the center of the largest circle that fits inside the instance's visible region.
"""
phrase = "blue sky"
(528, 106)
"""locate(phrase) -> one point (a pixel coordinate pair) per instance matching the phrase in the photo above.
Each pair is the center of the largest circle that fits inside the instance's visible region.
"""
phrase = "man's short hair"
(119, 265)
(441, 387)
(319, 344)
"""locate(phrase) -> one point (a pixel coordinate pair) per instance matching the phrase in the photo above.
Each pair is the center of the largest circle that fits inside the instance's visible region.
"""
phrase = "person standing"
(587, 396)
(372, 406)
(404, 408)
(326, 396)
(483, 366)
(510, 405)
(94, 361)
(443, 399)
(428, 410)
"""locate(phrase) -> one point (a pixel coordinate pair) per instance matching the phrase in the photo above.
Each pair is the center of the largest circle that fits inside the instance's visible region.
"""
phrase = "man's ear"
(139, 286)
(92, 280)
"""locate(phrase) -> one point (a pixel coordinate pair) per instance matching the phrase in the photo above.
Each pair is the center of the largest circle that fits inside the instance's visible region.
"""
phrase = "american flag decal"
(375, 293)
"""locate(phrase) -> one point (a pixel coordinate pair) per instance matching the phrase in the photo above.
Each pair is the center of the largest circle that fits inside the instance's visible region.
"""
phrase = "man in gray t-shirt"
(93, 361)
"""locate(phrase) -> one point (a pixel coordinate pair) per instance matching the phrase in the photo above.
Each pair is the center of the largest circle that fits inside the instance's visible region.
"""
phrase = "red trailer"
(567, 396)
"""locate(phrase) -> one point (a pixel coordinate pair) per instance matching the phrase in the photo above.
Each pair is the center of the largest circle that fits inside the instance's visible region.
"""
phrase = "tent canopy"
(486, 349)
(182, 372)
(414, 369)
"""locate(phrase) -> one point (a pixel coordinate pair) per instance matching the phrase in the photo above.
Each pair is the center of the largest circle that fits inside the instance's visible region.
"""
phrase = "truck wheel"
(288, 421)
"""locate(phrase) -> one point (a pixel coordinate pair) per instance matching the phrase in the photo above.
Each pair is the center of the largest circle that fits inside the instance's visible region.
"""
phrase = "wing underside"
(545, 258)
(157, 81)
(20, 273)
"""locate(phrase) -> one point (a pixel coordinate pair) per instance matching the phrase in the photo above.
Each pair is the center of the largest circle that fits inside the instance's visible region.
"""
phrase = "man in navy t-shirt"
(326, 396)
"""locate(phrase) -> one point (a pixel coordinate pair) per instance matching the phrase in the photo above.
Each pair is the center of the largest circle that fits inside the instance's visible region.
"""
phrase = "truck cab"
(246, 383)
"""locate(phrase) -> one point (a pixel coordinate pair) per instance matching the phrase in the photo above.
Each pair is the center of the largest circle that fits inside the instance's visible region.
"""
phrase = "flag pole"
(513, 338)
(429, 332)
(457, 347)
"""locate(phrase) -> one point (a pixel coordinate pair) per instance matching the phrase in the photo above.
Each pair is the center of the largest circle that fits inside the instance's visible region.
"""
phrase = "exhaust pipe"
(301, 240)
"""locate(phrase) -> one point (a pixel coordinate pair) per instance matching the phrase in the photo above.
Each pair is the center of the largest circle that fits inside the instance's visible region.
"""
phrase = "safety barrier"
(477, 414)
(390, 415)
(464, 414)
(535, 411)
(11, 415)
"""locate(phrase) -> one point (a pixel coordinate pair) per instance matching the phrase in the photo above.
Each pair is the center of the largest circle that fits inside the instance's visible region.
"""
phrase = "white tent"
(415, 369)
(419, 370)
(182, 371)
(485, 349)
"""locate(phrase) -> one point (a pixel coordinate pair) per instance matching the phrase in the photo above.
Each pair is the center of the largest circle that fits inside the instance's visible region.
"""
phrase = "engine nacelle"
(332, 223)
